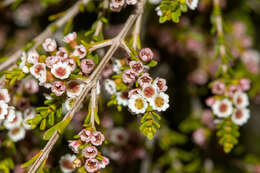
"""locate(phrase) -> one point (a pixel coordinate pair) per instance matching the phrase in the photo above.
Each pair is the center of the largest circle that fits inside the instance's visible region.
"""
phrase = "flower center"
(60, 71)
(139, 103)
(239, 114)
(149, 92)
(67, 164)
(223, 107)
(159, 101)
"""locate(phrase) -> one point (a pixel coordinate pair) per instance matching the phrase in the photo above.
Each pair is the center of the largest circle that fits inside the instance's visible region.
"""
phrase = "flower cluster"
(87, 152)
(13, 120)
(148, 93)
(230, 100)
(61, 68)
(117, 5)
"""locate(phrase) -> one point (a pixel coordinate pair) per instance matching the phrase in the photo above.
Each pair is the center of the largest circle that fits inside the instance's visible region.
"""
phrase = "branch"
(136, 32)
(89, 83)
(93, 105)
(6, 3)
(70, 14)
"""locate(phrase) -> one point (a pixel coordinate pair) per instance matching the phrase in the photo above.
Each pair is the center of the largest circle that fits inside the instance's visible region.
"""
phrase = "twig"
(6, 3)
(71, 13)
(125, 47)
(136, 32)
(89, 84)
(93, 103)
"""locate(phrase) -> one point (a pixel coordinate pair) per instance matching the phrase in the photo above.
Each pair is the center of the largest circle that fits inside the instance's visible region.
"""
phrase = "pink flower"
(104, 162)
(128, 76)
(74, 88)
(160, 83)
(70, 37)
(31, 86)
(210, 101)
(97, 138)
(244, 84)
(90, 152)
(87, 65)
(38, 70)
(108, 71)
(74, 145)
(58, 88)
(116, 5)
(61, 70)
(232, 89)
(207, 119)
(62, 53)
(198, 76)
(199, 137)
(137, 67)
(33, 57)
(146, 54)
(134, 92)
(85, 135)
(51, 60)
(92, 165)
(144, 79)
(49, 45)
(71, 63)
(218, 87)
(80, 51)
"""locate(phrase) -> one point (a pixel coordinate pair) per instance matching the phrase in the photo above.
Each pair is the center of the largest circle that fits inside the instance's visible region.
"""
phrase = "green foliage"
(6, 165)
(14, 75)
(189, 125)
(172, 9)
(149, 124)
(228, 132)
(46, 3)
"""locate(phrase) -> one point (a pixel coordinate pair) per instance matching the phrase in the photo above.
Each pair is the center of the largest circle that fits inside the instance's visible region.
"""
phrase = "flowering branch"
(89, 84)
(37, 41)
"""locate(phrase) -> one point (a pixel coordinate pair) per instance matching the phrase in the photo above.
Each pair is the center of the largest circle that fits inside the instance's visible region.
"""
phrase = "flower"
(33, 57)
(232, 89)
(4, 95)
(240, 99)
(244, 84)
(137, 104)
(144, 79)
(97, 138)
(90, 152)
(131, 2)
(192, 4)
(16, 134)
(69, 103)
(154, 1)
(74, 145)
(29, 113)
(15, 123)
(210, 101)
(51, 60)
(240, 116)
(149, 91)
(22, 64)
(58, 88)
(87, 65)
(158, 11)
(116, 5)
(199, 137)
(49, 45)
(134, 92)
(110, 86)
(160, 83)
(70, 37)
(160, 102)
(119, 136)
(222, 108)
(80, 51)
(74, 88)
(92, 165)
(85, 135)
(71, 63)
(31, 86)
(128, 76)
(146, 54)
(62, 53)
(3, 110)
(11, 114)
(104, 162)
(61, 70)
(137, 67)
(38, 70)
(117, 66)
(218, 87)
(66, 163)
(122, 98)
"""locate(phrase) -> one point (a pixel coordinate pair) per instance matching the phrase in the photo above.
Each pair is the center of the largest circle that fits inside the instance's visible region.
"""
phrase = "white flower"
(158, 11)
(49, 45)
(192, 4)
(74, 88)
(240, 99)
(122, 98)
(222, 108)
(70, 37)
(69, 103)
(61, 70)
(11, 114)
(240, 116)
(33, 57)
(155, 1)
(137, 104)
(116, 66)
(3, 110)
(119, 136)
(38, 70)
(16, 134)
(80, 51)
(98, 89)
(66, 163)
(110, 86)
(4, 95)
(22, 64)
(15, 123)
(29, 113)
(160, 102)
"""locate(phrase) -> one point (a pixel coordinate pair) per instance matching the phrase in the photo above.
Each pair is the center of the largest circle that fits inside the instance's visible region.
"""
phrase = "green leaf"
(152, 63)
(48, 134)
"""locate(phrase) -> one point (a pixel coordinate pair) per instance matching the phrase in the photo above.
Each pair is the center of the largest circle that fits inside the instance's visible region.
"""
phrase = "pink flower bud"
(244, 84)
(80, 51)
(144, 79)
(128, 76)
(58, 88)
(87, 65)
(74, 145)
(137, 67)
(160, 84)
(199, 137)
(49, 45)
(146, 54)
(210, 101)
(85, 135)
(218, 88)
(104, 162)
(70, 37)
(97, 138)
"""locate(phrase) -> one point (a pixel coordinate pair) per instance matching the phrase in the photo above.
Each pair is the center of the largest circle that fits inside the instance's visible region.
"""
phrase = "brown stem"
(70, 14)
